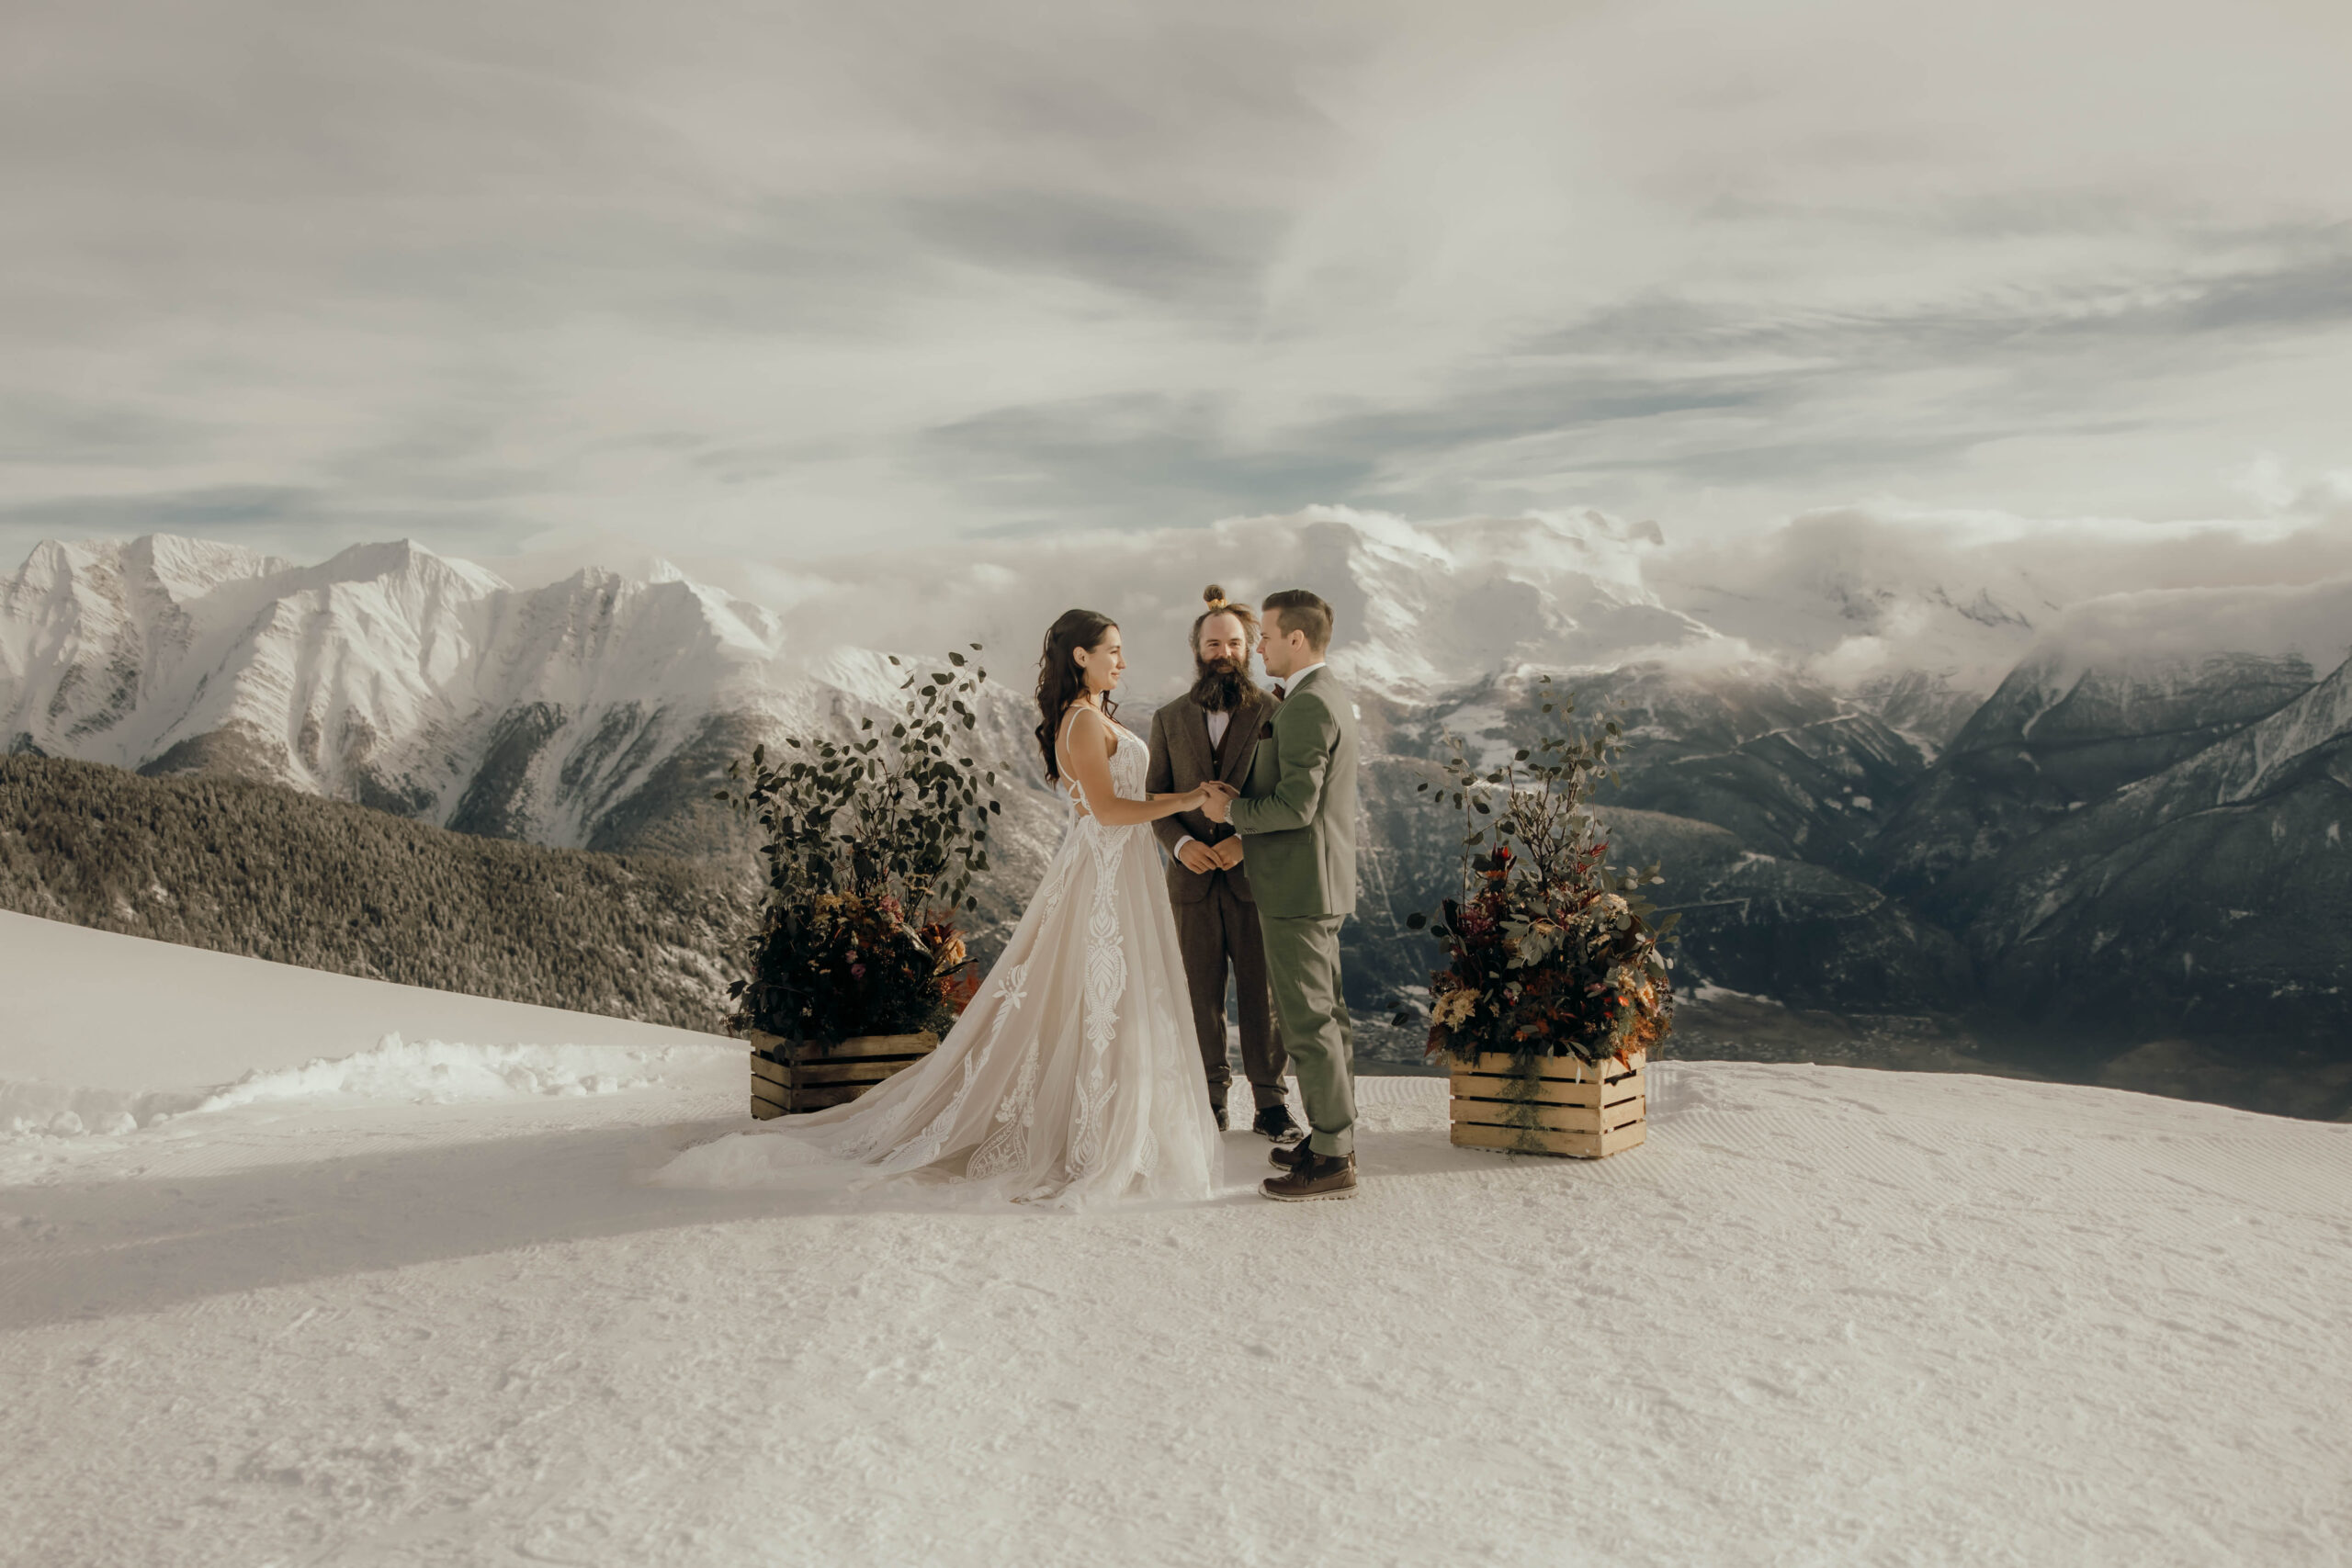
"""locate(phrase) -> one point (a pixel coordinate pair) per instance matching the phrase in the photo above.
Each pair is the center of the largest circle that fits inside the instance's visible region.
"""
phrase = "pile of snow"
(66, 1111)
(393, 1071)
(103, 1035)
(433, 1072)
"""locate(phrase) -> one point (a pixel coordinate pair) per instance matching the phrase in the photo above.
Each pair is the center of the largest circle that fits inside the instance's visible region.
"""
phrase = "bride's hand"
(1220, 788)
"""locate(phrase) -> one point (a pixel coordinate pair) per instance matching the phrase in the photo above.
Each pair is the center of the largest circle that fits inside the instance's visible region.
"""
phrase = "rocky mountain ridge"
(2097, 829)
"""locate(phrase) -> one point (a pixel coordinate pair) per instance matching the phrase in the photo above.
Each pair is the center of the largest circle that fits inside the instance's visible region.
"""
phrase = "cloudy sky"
(776, 281)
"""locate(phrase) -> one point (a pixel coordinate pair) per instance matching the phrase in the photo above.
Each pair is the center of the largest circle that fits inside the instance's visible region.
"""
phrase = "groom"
(1297, 821)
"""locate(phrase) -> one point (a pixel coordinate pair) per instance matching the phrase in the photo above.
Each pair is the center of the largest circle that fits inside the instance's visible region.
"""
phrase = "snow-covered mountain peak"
(397, 676)
(96, 584)
(1588, 542)
(1423, 609)
(180, 568)
(2168, 659)
(188, 570)
(403, 677)
(401, 563)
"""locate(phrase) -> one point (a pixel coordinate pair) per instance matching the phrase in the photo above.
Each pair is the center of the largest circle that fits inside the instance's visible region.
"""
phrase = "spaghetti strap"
(1070, 787)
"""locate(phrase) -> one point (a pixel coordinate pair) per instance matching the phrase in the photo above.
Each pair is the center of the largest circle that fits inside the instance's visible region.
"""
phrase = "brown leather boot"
(1311, 1176)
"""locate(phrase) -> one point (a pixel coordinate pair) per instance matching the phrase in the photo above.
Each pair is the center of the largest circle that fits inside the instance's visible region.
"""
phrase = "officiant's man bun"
(1297, 610)
(1213, 596)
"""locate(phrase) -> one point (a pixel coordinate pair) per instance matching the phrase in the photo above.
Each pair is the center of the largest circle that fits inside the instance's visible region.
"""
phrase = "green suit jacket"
(1298, 808)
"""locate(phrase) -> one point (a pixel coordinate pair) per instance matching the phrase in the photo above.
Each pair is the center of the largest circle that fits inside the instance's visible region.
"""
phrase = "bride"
(1073, 1074)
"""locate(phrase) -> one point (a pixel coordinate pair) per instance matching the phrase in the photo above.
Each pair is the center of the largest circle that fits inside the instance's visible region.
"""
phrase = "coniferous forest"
(269, 873)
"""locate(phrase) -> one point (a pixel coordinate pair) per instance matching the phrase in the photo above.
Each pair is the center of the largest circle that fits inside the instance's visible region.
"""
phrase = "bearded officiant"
(1207, 734)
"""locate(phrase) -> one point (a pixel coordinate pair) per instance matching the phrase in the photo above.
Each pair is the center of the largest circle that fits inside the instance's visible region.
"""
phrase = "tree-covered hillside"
(271, 873)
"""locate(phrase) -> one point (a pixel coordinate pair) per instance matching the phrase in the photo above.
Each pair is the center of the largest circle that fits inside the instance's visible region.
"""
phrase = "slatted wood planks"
(1574, 1108)
(790, 1075)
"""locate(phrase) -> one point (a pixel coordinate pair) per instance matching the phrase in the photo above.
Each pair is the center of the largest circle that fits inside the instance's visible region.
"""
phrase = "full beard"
(1220, 685)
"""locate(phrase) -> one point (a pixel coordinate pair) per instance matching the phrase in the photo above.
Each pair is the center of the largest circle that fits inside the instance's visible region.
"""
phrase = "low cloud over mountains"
(2037, 785)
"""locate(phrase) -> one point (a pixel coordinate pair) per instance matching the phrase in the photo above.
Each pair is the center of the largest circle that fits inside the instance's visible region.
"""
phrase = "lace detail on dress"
(1008, 995)
(1106, 982)
(1071, 1080)
(1169, 1081)
(1007, 1148)
(1009, 992)
(1050, 896)
(867, 1145)
(1010, 989)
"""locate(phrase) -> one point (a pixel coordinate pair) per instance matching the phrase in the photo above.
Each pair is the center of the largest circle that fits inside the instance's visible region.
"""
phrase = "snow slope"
(1826, 1315)
(97, 1026)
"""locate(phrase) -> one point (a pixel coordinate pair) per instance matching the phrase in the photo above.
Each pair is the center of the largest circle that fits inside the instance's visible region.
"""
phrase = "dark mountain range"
(270, 872)
(2210, 898)
(2139, 880)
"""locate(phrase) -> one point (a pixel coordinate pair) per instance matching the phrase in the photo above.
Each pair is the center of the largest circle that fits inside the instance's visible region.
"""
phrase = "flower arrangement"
(1549, 950)
(871, 845)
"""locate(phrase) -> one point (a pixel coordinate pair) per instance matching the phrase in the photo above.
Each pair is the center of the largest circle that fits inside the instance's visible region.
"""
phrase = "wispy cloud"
(773, 280)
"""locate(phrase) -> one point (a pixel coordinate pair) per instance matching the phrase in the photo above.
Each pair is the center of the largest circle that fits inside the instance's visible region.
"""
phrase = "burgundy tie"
(1279, 692)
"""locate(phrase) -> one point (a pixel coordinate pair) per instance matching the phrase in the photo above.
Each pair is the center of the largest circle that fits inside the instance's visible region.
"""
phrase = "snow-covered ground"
(96, 1027)
(426, 1308)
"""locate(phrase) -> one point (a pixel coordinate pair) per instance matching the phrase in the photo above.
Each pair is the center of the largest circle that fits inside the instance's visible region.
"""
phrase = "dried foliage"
(871, 844)
(1550, 951)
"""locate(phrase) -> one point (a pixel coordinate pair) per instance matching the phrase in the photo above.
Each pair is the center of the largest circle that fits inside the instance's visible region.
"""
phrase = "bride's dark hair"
(1059, 680)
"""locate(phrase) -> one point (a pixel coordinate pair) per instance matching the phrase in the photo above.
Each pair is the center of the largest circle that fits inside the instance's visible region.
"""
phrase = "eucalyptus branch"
(884, 827)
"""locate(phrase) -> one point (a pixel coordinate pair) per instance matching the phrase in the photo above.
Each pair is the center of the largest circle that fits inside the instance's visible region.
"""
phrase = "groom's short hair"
(1297, 610)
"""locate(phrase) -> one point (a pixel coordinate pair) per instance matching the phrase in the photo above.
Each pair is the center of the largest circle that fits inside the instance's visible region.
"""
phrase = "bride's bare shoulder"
(1082, 720)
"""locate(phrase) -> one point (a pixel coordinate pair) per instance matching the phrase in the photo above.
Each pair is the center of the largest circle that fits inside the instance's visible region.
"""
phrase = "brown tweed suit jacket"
(1180, 760)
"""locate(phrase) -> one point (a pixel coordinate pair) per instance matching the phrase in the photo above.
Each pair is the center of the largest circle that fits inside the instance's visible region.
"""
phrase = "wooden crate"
(808, 1075)
(1579, 1111)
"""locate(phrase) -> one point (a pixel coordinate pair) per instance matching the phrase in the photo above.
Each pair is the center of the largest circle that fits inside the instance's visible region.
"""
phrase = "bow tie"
(1280, 691)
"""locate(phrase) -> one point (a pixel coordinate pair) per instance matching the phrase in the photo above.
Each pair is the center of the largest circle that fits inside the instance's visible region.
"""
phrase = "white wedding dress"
(1072, 1077)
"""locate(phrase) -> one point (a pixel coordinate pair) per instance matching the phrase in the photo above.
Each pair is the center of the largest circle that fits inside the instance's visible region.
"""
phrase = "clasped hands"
(1216, 796)
(1212, 798)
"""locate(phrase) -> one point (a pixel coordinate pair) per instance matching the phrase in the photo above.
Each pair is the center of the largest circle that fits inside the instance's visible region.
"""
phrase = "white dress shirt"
(1218, 724)
(1290, 682)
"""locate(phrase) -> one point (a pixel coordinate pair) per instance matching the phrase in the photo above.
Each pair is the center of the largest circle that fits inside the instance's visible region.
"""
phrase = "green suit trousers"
(1303, 963)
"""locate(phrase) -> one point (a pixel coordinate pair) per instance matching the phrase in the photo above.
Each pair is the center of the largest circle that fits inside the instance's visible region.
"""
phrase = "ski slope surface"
(421, 1301)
